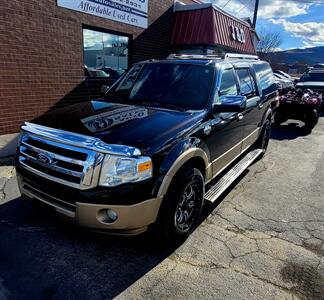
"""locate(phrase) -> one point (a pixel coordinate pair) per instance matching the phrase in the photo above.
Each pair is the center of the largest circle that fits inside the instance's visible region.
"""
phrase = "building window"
(105, 51)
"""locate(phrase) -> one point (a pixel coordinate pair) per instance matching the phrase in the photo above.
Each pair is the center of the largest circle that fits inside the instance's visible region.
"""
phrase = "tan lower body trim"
(224, 160)
(250, 139)
(130, 217)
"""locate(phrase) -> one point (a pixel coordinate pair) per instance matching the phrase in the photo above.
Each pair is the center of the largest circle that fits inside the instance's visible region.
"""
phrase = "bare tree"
(268, 44)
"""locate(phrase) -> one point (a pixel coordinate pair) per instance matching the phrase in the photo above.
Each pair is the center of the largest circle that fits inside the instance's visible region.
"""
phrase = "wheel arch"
(193, 157)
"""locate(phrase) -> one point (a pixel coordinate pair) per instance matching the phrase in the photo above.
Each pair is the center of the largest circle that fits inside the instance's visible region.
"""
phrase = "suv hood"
(149, 129)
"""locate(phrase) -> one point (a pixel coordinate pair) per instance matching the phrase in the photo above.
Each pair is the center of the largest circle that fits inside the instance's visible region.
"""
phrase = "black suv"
(313, 79)
(143, 153)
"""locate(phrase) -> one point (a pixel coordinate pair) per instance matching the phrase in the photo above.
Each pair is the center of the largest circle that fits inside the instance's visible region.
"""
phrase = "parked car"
(141, 156)
(304, 105)
(97, 81)
(285, 75)
(313, 79)
(319, 66)
(283, 83)
(282, 73)
(113, 73)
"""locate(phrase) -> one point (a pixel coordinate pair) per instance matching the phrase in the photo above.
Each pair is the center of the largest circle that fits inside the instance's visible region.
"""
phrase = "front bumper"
(132, 219)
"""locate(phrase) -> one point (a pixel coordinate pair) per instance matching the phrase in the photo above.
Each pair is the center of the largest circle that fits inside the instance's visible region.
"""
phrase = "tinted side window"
(265, 77)
(228, 85)
(247, 86)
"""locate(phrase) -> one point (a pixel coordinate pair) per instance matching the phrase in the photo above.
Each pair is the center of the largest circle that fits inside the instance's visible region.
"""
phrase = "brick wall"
(41, 54)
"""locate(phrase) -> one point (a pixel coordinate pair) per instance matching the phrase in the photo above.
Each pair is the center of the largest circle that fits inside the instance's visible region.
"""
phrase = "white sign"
(238, 34)
(133, 12)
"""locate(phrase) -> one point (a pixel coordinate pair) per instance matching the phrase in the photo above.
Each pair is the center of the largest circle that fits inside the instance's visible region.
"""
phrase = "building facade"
(45, 46)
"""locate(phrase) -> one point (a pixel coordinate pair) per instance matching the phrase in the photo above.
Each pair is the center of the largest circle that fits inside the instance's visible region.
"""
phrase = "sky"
(299, 22)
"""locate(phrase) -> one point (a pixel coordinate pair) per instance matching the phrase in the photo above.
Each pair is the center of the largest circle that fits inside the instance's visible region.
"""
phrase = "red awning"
(211, 26)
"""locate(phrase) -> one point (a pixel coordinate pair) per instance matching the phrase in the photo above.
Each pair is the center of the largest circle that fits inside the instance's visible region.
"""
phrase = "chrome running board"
(224, 182)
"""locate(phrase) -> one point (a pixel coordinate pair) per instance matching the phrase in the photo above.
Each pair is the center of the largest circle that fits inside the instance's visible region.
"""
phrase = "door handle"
(240, 116)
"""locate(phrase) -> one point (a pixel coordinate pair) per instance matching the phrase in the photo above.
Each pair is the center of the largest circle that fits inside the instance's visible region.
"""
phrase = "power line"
(226, 3)
(245, 5)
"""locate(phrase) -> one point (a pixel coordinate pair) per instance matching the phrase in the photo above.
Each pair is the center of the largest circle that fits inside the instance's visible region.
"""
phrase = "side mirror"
(230, 104)
(296, 81)
(104, 89)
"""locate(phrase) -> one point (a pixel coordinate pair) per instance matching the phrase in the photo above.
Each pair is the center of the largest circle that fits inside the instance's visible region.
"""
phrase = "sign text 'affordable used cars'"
(133, 12)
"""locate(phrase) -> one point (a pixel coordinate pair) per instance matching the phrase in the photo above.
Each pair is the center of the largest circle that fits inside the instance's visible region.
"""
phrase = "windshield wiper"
(162, 105)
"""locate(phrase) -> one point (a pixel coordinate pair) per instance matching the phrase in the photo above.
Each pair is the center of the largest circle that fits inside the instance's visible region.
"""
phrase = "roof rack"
(193, 56)
(241, 56)
(213, 56)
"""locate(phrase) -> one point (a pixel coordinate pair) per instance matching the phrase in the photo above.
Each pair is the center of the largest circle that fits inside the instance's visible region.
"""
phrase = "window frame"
(104, 30)
(257, 68)
(219, 81)
(253, 80)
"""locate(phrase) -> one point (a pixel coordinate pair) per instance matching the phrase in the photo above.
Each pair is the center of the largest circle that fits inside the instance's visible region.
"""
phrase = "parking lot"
(262, 240)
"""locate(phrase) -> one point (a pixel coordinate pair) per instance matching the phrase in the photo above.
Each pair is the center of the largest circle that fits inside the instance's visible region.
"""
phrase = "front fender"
(176, 158)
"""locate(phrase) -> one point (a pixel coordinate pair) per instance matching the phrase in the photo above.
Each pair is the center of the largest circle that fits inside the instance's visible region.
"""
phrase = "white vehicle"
(283, 83)
(282, 73)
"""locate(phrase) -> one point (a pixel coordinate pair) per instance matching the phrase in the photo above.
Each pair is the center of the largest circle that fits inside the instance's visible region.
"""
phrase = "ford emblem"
(45, 159)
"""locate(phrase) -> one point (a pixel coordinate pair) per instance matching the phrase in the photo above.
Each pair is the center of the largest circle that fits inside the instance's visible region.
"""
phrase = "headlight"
(117, 170)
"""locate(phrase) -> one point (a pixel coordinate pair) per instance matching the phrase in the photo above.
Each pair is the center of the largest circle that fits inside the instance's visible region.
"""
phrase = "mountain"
(308, 56)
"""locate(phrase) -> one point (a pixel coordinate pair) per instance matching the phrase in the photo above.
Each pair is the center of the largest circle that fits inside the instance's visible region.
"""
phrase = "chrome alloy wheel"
(187, 207)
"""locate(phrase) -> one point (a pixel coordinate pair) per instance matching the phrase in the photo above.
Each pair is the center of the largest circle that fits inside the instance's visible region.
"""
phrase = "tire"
(263, 140)
(181, 207)
(311, 120)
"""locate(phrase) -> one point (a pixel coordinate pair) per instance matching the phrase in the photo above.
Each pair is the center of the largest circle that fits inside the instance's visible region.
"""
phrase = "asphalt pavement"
(264, 239)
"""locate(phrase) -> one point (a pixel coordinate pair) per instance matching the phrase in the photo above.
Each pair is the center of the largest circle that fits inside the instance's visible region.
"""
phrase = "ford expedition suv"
(143, 154)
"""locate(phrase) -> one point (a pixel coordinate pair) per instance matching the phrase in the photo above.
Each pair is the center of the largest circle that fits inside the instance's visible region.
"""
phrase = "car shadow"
(290, 130)
(43, 257)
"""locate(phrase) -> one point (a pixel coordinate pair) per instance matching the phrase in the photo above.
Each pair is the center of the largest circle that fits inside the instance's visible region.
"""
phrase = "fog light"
(112, 215)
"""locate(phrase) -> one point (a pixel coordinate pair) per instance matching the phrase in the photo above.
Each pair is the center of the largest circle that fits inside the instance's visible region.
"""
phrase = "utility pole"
(255, 16)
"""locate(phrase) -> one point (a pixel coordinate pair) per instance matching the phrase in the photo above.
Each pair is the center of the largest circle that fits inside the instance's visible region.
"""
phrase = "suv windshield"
(312, 77)
(170, 85)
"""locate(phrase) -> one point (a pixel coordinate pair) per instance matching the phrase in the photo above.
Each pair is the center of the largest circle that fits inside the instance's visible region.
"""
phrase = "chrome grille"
(65, 157)
(66, 164)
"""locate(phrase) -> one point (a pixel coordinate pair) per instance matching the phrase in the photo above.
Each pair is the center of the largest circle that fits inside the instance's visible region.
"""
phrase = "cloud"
(311, 33)
(282, 8)
(267, 8)
(238, 8)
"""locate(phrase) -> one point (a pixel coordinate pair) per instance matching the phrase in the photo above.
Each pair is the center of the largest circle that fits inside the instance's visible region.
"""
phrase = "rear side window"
(247, 85)
(265, 77)
(228, 85)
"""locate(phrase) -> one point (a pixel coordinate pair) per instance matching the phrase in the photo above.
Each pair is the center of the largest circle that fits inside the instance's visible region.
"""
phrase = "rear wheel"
(263, 140)
(181, 207)
(311, 119)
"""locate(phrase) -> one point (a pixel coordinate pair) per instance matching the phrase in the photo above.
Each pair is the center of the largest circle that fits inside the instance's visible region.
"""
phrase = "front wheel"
(181, 207)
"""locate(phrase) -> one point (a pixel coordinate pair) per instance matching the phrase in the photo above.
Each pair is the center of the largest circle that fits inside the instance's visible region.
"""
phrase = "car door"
(225, 138)
(252, 115)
